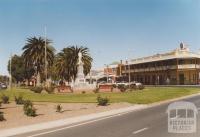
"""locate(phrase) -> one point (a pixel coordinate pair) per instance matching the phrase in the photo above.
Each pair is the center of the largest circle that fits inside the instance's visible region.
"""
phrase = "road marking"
(68, 127)
(140, 130)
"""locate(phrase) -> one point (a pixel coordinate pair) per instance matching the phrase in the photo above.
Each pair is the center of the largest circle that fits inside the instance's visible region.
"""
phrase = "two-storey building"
(178, 67)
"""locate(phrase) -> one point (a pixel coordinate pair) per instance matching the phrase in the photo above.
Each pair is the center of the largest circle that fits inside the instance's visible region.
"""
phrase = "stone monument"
(80, 82)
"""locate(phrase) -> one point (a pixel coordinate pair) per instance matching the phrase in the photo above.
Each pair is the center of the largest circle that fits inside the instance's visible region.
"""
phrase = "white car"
(122, 83)
(3, 86)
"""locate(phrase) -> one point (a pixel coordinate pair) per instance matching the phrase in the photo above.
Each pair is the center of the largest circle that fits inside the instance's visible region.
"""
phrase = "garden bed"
(47, 112)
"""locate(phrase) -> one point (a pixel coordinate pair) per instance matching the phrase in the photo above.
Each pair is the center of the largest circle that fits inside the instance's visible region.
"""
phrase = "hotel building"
(178, 67)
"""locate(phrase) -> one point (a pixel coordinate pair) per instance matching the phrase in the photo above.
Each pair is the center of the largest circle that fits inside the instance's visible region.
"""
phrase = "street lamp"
(128, 64)
(129, 72)
(107, 72)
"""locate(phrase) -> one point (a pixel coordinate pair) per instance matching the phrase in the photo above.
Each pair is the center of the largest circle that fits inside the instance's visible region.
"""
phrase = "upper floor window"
(181, 61)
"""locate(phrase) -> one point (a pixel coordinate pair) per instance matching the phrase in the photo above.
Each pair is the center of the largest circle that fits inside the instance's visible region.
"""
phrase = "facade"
(178, 67)
(113, 72)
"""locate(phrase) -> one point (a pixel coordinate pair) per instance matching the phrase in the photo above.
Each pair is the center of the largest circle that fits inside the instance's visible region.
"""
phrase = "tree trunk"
(38, 83)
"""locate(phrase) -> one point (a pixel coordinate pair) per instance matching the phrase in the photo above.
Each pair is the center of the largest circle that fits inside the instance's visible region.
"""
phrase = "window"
(181, 61)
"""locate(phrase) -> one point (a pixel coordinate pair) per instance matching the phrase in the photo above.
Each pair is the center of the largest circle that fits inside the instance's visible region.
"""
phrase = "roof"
(177, 53)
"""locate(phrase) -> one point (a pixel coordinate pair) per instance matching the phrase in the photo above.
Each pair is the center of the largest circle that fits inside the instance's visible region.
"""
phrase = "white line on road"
(141, 130)
(68, 127)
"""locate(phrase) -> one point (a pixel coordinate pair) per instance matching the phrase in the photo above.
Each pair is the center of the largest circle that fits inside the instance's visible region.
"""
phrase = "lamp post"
(107, 73)
(129, 65)
(129, 73)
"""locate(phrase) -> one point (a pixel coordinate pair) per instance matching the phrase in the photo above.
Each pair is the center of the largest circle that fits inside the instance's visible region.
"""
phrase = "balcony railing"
(163, 68)
(187, 66)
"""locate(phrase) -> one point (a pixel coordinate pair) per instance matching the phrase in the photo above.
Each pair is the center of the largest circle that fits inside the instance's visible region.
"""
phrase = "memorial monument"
(80, 82)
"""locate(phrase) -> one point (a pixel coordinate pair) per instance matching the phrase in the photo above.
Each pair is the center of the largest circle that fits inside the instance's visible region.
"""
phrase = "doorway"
(181, 79)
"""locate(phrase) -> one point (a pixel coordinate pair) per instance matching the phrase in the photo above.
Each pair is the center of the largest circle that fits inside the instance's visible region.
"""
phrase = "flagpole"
(45, 55)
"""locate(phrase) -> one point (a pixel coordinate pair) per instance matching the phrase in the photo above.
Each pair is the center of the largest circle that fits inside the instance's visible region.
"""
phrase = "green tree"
(66, 62)
(4, 78)
(34, 55)
(19, 71)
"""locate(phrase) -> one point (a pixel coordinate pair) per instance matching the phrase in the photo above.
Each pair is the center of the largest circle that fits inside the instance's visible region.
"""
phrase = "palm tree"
(34, 55)
(67, 62)
(62, 66)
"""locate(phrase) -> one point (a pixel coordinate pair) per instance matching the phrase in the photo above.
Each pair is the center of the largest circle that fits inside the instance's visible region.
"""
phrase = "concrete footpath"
(80, 119)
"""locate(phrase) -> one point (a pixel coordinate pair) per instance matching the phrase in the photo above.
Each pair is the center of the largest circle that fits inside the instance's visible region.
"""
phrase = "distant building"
(178, 67)
(113, 72)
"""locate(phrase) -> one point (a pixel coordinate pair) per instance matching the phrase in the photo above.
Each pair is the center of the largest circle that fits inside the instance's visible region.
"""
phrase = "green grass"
(146, 96)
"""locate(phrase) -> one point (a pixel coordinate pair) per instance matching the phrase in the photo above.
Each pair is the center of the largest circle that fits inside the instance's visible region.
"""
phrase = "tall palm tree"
(62, 64)
(34, 55)
(67, 62)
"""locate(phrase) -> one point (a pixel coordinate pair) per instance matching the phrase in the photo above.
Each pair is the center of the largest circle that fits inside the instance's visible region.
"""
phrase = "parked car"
(3, 86)
(121, 83)
(136, 85)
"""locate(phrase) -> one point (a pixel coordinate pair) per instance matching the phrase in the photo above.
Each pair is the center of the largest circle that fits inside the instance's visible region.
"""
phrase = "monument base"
(83, 86)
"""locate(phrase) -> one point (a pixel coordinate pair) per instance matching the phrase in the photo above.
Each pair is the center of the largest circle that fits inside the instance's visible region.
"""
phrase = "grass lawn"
(148, 95)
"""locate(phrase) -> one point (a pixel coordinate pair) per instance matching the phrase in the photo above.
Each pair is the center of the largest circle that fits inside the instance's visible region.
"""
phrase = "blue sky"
(112, 29)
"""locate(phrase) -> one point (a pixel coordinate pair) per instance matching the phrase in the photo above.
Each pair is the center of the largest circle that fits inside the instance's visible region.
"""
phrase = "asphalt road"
(151, 122)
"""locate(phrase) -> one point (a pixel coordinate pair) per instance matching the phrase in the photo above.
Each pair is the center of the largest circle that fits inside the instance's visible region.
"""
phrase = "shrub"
(59, 108)
(29, 110)
(36, 89)
(141, 87)
(83, 92)
(5, 99)
(27, 103)
(19, 100)
(122, 87)
(22, 85)
(2, 117)
(50, 90)
(96, 90)
(102, 101)
(133, 87)
(114, 86)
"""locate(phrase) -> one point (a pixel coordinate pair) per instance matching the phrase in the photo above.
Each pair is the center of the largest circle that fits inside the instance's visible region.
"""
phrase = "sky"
(113, 30)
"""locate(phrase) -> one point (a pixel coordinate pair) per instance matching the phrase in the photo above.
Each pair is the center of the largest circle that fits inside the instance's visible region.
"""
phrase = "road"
(150, 122)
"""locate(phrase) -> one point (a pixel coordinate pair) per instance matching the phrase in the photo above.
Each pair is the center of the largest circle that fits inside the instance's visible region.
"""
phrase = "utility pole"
(45, 56)
(10, 79)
